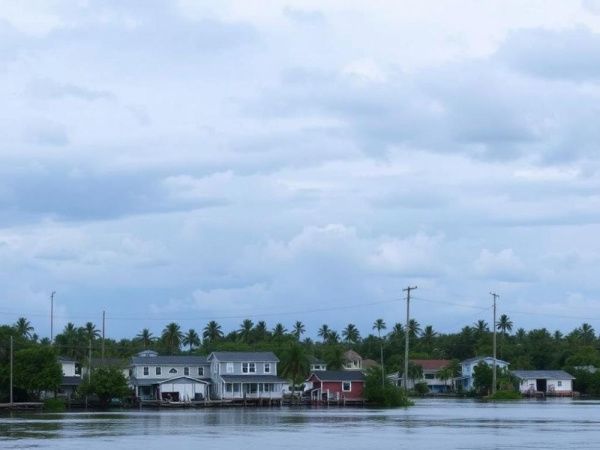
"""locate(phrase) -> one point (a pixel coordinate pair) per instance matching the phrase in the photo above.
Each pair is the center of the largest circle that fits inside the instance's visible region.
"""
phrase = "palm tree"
(298, 329)
(172, 337)
(504, 324)
(145, 337)
(212, 332)
(191, 338)
(279, 330)
(246, 330)
(445, 374)
(397, 332)
(586, 334)
(427, 337)
(333, 337)
(351, 334)
(481, 327)
(260, 331)
(90, 332)
(23, 328)
(379, 325)
(295, 365)
(324, 332)
(68, 340)
(414, 329)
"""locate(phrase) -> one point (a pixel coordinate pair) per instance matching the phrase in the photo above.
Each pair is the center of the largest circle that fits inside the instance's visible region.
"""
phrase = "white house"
(71, 377)
(170, 378)
(551, 382)
(468, 369)
(240, 375)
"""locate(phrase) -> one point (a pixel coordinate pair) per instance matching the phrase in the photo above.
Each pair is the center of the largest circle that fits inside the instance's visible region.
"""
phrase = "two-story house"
(239, 375)
(171, 378)
(71, 377)
(468, 369)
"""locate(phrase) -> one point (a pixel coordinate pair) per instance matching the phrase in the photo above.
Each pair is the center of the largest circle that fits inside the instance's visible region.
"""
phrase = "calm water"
(444, 424)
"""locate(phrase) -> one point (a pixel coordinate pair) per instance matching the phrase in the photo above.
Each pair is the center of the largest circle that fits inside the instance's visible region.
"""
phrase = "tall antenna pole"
(103, 329)
(11, 371)
(406, 333)
(495, 296)
(52, 317)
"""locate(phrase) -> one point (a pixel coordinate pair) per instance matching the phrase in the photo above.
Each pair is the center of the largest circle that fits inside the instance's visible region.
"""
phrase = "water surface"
(444, 424)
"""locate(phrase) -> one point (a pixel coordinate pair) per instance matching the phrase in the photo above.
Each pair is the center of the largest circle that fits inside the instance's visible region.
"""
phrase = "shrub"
(386, 394)
(54, 405)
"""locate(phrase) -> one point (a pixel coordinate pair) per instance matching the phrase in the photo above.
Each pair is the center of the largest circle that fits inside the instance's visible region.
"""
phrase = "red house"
(336, 385)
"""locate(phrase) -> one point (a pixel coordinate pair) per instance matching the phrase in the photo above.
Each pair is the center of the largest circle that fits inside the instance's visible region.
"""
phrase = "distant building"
(430, 368)
(352, 361)
(316, 364)
(468, 369)
(552, 382)
(71, 377)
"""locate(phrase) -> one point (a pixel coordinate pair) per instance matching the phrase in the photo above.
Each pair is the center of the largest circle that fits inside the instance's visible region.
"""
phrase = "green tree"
(191, 339)
(24, 328)
(36, 369)
(414, 329)
(279, 331)
(212, 332)
(333, 337)
(145, 338)
(299, 329)
(295, 365)
(351, 334)
(90, 332)
(106, 383)
(379, 325)
(172, 337)
(245, 330)
(324, 331)
(386, 394)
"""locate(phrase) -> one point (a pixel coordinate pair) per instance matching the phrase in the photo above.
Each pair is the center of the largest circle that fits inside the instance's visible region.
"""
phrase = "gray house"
(240, 375)
(173, 378)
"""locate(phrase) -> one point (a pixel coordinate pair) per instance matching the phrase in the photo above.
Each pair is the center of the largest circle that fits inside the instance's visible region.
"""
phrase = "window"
(186, 371)
(267, 387)
(267, 367)
(346, 386)
(559, 383)
(249, 367)
(158, 371)
(146, 371)
(200, 371)
(429, 376)
(229, 368)
(173, 370)
(236, 387)
(228, 387)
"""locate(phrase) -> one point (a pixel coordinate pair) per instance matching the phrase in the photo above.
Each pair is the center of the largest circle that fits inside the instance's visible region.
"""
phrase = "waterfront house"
(169, 378)
(71, 377)
(468, 369)
(550, 382)
(336, 385)
(430, 369)
(245, 375)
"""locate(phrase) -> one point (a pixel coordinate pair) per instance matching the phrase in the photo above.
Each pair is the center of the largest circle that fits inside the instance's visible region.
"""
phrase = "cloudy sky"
(299, 160)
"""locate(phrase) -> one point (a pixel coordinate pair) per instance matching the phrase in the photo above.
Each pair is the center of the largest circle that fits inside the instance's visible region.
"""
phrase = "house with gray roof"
(245, 375)
(550, 382)
(468, 369)
(179, 378)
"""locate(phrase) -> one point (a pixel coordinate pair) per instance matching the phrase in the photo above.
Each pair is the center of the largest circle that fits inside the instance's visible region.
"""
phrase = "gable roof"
(65, 359)
(314, 360)
(244, 356)
(543, 374)
(170, 360)
(431, 364)
(338, 375)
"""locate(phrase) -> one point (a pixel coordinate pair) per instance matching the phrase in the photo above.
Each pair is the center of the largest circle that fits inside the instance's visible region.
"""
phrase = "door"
(540, 385)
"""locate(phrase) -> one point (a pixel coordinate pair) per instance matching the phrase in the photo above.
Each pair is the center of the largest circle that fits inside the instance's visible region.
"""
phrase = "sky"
(299, 160)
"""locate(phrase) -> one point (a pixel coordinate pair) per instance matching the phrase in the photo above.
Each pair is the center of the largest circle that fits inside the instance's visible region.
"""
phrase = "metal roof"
(181, 360)
(252, 379)
(482, 358)
(244, 356)
(338, 375)
(153, 381)
(542, 374)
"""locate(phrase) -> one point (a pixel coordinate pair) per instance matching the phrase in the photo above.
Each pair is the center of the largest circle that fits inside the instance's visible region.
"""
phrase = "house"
(551, 382)
(430, 369)
(241, 375)
(335, 385)
(171, 378)
(71, 377)
(352, 361)
(465, 381)
(316, 364)
(115, 363)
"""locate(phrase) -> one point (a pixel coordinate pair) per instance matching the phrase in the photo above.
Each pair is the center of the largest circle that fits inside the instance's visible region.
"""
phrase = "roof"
(351, 354)
(252, 379)
(195, 380)
(70, 381)
(315, 360)
(153, 381)
(481, 358)
(431, 364)
(65, 359)
(245, 356)
(368, 363)
(338, 375)
(543, 374)
(170, 360)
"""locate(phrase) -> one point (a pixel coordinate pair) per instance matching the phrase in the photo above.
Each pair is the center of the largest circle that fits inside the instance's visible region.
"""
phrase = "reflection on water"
(447, 424)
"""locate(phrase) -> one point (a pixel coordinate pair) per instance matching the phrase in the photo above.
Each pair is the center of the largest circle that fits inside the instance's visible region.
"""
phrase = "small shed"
(552, 382)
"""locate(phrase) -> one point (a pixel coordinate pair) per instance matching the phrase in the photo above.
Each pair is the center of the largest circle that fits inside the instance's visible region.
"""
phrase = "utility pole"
(103, 329)
(406, 333)
(52, 317)
(11, 371)
(495, 296)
